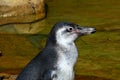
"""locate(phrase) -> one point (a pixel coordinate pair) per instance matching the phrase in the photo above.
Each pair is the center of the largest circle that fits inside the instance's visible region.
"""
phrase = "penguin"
(56, 61)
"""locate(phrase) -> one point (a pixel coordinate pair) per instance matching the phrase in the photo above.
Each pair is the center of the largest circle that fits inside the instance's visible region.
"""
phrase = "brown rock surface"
(20, 11)
(21, 16)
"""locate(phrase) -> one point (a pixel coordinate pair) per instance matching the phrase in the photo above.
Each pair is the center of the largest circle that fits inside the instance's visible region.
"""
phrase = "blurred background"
(23, 33)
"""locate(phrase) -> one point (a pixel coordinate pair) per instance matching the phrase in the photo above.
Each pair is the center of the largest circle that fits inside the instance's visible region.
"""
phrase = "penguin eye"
(70, 29)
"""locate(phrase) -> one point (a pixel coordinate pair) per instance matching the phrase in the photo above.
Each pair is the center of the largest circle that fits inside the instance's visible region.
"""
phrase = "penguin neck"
(63, 44)
(67, 53)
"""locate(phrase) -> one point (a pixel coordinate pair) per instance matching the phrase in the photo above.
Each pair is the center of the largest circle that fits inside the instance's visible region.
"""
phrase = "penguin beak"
(85, 30)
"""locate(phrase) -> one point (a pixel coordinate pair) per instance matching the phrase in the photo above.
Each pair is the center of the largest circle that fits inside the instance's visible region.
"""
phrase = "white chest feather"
(67, 57)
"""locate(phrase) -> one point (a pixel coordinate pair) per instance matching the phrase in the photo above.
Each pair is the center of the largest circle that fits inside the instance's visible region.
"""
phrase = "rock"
(14, 13)
(26, 10)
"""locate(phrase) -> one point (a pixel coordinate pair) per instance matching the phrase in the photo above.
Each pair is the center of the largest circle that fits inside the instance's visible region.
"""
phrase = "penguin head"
(67, 32)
